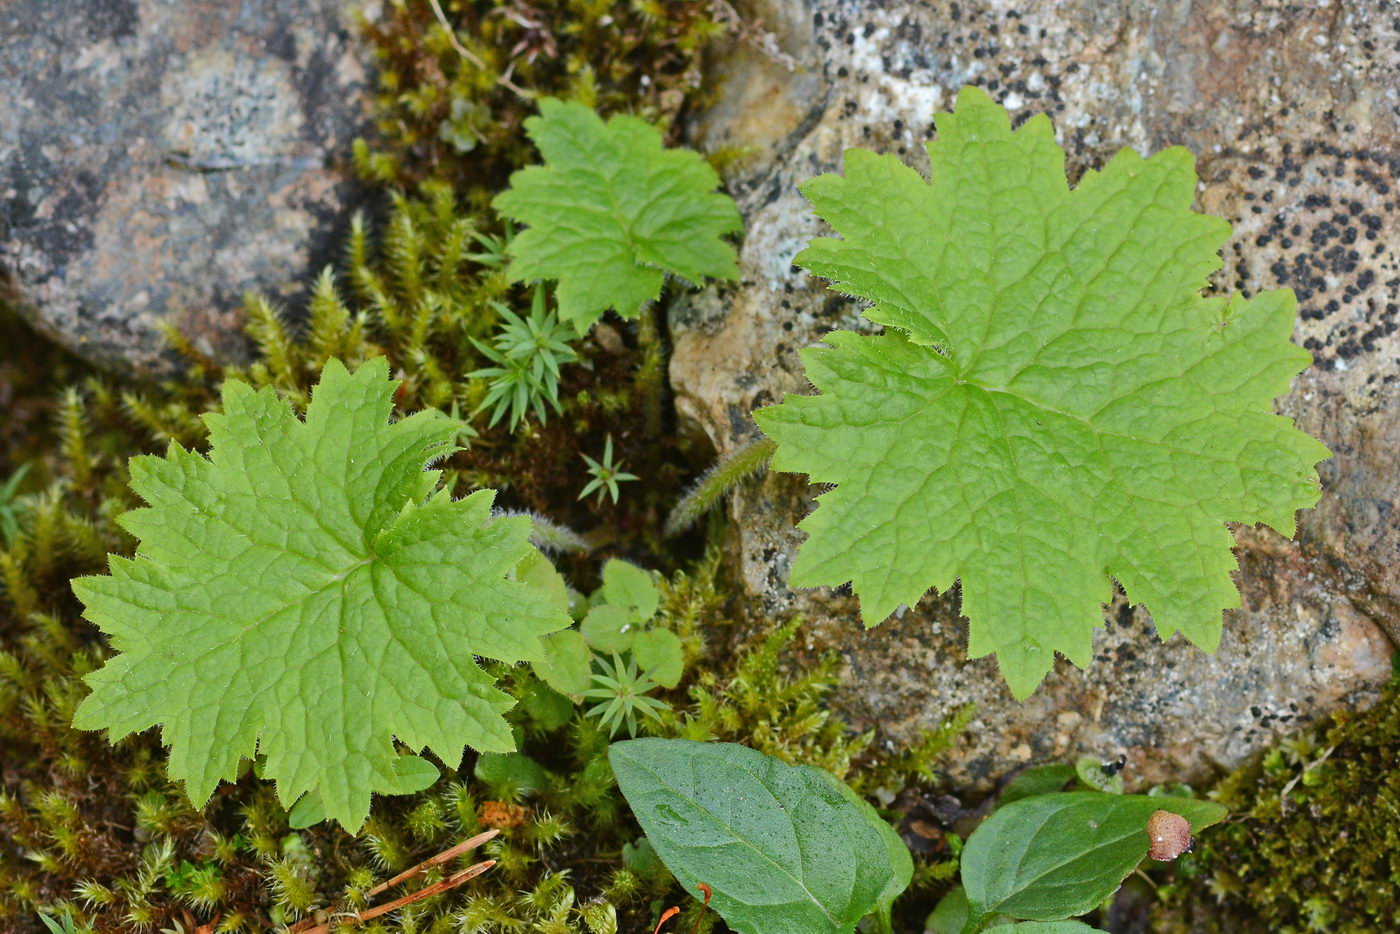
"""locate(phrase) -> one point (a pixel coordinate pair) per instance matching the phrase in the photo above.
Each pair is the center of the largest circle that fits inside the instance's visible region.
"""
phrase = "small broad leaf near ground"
(785, 849)
(1059, 855)
(1054, 403)
(611, 212)
(304, 593)
(628, 586)
(567, 663)
(659, 653)
(1036, 780)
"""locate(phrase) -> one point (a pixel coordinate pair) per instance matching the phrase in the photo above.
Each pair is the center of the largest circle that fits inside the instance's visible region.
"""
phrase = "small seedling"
(63, 925)
(622, 689)
(606, 475)
(12, 506)
(611, 212)
(527, 353)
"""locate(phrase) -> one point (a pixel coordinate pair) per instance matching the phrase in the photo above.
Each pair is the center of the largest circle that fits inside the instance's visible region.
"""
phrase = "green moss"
(1313, 842)
(452, 105)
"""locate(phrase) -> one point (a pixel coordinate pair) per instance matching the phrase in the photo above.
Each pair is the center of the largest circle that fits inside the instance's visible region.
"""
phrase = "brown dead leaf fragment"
(502, 814)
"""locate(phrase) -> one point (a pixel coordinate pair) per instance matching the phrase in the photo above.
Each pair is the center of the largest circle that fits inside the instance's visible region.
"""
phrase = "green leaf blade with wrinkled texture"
(302, 592)
(1059, 855)
(611, 212)
(785, 849)
(1055, 406)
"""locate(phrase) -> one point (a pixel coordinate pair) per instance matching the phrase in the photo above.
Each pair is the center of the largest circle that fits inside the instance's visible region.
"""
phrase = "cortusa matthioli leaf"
(611, 212)
(304, 593)
(1059, 855)
(785, 849)
(1053, 403)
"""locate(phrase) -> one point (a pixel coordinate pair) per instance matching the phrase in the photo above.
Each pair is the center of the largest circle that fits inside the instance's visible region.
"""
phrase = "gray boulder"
(159, 158)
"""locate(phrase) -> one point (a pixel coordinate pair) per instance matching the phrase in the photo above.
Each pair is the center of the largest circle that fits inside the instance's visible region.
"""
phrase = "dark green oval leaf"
(786, 849)
(1059, 855)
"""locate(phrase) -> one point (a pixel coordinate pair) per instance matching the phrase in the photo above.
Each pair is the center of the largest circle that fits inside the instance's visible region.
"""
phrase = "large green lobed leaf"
(785, 849)
(1054, 403)
(302, 592)
(611, 212)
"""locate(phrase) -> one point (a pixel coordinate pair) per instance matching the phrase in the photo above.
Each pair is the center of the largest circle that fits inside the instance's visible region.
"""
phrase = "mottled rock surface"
(160, 157)
(1294, 113)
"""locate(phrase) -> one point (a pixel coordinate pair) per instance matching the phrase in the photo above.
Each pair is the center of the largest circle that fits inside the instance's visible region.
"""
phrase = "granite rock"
(1294, 114)
(160, 157)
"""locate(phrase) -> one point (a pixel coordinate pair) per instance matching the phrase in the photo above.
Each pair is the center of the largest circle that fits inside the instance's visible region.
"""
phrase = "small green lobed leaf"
(628, 586)
(1059, 855)
(303, 593)
(609, 629)
(611, 212)
(1049, 355)
(785, 849)
(660, 654)
(1091, 772)
(567, 663)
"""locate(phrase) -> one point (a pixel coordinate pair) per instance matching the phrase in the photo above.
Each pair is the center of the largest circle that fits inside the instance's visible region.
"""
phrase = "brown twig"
(503, 80)
(452, 36)
(432, 861)
(309, 925)
(1283, 795)
(437, 888)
